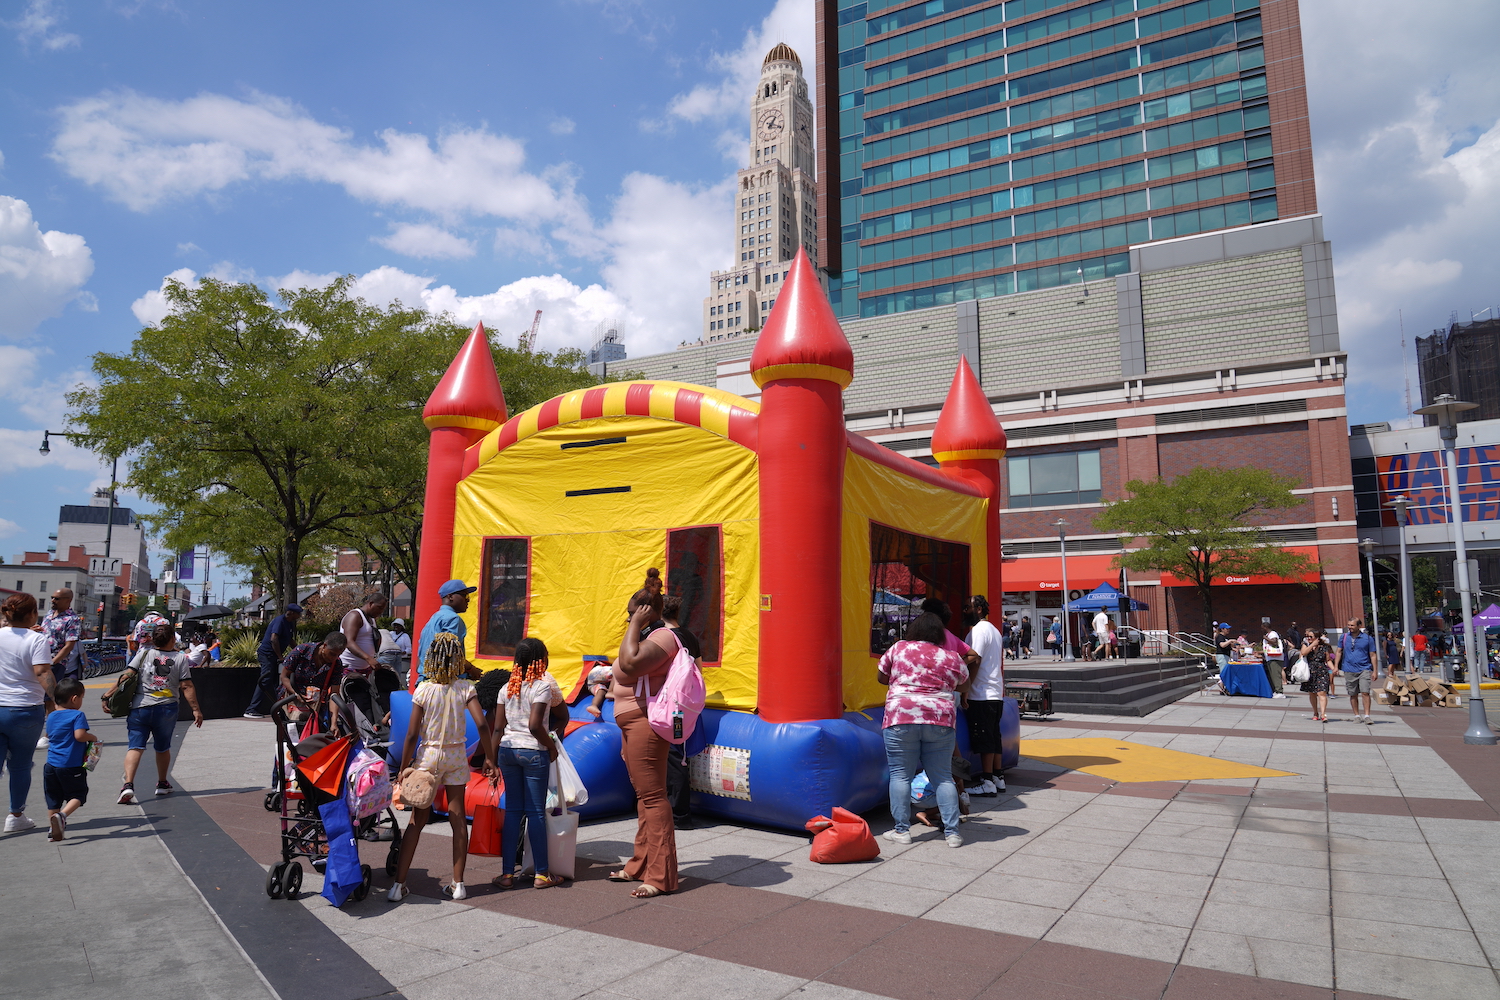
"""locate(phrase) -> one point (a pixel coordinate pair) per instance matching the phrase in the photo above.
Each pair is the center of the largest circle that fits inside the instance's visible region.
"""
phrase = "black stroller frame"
(302, 833)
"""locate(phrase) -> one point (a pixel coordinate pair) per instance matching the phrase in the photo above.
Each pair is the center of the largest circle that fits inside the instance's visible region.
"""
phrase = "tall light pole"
(109, 523)
(1062, 542)
(1367, 545)
(1402, 506)
(1447, 408)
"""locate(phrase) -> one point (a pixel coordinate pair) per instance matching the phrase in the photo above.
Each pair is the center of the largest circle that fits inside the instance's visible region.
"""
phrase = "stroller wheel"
(364, 884)
(291, 882)
(392, 859)
(273, 802)
(273, 880)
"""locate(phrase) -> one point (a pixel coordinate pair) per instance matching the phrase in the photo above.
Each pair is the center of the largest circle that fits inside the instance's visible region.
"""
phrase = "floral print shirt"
(60, 628)
(923, 678)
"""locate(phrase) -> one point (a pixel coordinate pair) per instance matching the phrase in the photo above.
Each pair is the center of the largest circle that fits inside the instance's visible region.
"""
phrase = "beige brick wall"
(1049, 338)
(1238, 311)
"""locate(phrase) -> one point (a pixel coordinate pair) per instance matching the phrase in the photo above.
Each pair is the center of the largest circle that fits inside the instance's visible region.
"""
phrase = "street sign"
(103, 584)
(105, 566)
(174, 605)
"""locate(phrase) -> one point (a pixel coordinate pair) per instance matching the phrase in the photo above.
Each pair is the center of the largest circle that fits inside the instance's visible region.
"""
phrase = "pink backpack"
(369, 785)
(673, 711)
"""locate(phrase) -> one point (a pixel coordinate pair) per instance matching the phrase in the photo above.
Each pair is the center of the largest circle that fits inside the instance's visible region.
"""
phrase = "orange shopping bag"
(489, 822)
(325, 769)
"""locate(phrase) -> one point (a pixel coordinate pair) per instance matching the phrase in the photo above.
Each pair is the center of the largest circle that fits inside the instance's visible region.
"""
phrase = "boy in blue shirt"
(64, 780)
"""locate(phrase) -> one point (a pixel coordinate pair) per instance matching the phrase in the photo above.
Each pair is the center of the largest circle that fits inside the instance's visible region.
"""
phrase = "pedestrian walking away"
(26, 693)
(65, 779)
(525, 755)
(279, 638)
(437, 724)
(643, 664)
(162, 671)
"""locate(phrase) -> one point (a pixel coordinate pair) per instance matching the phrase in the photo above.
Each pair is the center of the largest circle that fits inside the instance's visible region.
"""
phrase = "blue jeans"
(156, 721)
(910, 748)
(268, 685)
(20, 728)
(525, 775)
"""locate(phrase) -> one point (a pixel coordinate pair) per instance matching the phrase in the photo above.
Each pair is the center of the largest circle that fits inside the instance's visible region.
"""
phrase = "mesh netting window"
(503, 595)
(695, 572)
(906, 569)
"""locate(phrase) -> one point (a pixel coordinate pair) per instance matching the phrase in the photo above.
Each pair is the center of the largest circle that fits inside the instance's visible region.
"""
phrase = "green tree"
(1200, 527)
(266, 431)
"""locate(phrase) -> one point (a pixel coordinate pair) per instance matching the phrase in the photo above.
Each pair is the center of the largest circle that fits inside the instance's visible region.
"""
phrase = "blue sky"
(491, 159)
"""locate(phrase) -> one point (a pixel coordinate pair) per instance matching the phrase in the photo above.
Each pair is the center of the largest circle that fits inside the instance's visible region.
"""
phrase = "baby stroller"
(297, 799)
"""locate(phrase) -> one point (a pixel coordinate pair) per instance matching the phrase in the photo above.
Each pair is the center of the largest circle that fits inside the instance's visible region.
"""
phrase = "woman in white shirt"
(526, 751)
(26, 683)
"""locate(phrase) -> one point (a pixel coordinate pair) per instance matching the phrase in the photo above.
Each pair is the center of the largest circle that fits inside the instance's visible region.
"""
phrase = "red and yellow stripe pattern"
(729, 416)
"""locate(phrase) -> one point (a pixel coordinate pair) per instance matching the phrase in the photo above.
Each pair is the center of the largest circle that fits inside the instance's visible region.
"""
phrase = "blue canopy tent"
(1103, 598)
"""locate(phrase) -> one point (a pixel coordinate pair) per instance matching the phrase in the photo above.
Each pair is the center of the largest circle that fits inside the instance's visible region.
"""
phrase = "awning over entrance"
(1311, 551)
(1085, 572)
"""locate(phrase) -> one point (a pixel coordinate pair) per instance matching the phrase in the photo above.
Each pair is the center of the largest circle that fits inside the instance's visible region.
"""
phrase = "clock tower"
(775, 211)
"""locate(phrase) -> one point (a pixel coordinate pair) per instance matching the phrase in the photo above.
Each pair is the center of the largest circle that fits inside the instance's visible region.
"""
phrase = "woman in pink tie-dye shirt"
(918, 727)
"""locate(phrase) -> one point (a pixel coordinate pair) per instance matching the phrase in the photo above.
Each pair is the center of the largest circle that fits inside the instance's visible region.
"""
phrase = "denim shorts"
(155, 721)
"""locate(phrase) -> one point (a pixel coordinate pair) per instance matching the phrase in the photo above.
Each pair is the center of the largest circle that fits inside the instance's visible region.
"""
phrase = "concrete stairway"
(1112, 687)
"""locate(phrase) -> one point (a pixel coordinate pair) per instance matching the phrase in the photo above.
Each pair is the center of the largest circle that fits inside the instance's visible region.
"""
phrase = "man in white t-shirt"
(986, 695)
(1101, 633)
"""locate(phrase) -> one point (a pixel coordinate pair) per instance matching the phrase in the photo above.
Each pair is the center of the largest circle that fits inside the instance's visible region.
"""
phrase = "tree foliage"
(1201, 527)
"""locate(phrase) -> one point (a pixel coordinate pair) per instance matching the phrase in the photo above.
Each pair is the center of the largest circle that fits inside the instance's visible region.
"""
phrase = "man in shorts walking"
(1356, 658)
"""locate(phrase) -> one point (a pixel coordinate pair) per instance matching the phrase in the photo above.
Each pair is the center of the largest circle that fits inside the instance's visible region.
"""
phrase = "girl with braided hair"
(526, 751)
(437, 718)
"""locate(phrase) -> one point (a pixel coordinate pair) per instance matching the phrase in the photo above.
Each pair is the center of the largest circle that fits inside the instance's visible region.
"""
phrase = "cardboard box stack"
(1417, 691)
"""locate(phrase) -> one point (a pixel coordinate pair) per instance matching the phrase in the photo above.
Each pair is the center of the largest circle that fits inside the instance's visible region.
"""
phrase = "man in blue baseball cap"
(455, 597)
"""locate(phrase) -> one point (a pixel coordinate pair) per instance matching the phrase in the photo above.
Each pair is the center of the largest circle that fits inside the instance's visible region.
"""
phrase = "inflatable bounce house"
(800, 552)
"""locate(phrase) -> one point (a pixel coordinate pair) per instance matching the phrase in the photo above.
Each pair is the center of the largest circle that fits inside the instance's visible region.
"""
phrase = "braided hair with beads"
(530, 664)
(445, 658)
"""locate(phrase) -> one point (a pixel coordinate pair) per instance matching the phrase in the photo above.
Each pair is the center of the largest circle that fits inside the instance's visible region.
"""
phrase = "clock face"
(771, 124)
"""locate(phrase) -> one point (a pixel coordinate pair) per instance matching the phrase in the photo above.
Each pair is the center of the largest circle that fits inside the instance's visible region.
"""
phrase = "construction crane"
(528, 337)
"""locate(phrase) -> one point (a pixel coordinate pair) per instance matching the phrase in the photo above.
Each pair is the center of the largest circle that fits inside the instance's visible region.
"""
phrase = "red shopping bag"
(484, 805)
(325, 769)
(840, 840)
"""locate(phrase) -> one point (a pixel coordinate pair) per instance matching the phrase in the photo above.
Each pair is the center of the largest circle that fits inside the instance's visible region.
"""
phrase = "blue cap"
(455, 587)
(294, 607)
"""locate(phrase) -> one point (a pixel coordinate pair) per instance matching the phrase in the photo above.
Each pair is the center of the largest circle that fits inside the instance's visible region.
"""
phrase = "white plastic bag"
(1301, 672)
(565, 779)
(562, 845)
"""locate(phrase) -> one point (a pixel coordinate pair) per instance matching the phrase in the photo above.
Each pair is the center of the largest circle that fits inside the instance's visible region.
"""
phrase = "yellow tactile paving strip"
(1121, 760)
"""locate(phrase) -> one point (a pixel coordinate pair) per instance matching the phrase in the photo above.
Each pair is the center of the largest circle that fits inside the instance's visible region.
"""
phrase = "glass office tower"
(974, 148)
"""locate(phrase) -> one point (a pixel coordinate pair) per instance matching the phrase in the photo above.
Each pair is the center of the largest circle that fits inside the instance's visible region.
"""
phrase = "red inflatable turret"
(802, 363)
(466, 405)
(968, 444)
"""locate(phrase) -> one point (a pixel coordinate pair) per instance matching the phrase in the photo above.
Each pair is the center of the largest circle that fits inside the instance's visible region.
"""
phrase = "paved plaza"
(1372, 869)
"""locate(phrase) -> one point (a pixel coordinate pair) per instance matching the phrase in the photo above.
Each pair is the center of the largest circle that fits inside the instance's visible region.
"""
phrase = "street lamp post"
(109, 523)
(1402, 506)
(1447, 408)
(1062, 542)
(1367, 545)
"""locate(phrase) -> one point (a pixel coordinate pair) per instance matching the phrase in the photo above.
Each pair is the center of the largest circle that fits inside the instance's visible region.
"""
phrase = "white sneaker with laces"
(15, 824)
(894, 836)
(999, 784)
(954, 840)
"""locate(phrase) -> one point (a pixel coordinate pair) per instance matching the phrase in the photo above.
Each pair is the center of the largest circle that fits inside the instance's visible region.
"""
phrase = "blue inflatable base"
(792, 772)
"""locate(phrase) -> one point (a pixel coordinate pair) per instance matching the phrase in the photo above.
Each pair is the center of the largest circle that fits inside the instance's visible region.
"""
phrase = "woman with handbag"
(437, 718)
(525, 755)
(1316, 652)
(643, 665)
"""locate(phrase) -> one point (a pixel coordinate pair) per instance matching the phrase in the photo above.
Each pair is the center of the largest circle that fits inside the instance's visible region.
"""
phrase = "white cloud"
(8, 527)
(143, 152)
(37, 26)
(42, 401)
(790, 21)
(1407, 176)
(423, 240)
(153, 306)
(562, 126)
(40, 273)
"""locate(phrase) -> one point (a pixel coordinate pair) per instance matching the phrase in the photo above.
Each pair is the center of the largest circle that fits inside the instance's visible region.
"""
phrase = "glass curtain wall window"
(1048, 480)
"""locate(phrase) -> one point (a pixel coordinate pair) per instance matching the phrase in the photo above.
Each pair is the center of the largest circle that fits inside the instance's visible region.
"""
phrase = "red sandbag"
(843, 839)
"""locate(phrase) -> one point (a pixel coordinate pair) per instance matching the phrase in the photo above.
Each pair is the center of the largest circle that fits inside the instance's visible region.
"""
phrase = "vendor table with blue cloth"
(1245, 678)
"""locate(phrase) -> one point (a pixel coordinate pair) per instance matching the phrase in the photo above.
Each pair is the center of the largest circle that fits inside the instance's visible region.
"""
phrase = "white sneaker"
(15, 824)
(398, 892)
(43, 743)
(954, 840)
(894, 836)
(59, 824)
(455, 890)
(1278, 695)
(999, 785)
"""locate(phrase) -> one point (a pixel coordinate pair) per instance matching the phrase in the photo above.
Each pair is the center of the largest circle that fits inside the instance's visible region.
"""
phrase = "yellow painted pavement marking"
(1121, 760)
